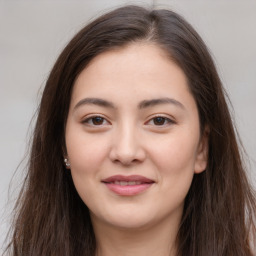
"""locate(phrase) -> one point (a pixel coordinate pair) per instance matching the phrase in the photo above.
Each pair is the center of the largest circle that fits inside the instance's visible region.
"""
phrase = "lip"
(128, 185)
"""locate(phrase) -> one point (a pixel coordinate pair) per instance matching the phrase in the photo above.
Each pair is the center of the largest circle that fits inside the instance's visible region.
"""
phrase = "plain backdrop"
(32, 34)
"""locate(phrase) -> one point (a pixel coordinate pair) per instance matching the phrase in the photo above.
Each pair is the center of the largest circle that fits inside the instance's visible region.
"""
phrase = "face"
(133, 137)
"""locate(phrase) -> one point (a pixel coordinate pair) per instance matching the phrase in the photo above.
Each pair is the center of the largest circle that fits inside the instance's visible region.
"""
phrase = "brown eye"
(159, 120)
(97, 120)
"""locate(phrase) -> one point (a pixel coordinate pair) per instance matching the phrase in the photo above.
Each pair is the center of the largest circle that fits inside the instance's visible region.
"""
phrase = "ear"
(202, 152)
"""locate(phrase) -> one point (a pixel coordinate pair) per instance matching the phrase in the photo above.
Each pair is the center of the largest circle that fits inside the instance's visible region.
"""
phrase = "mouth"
(128, 185)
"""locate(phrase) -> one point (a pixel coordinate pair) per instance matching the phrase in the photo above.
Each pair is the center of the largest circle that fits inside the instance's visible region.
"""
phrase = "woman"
(134, 151)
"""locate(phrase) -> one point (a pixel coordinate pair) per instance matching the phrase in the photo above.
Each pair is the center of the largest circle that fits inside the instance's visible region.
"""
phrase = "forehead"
(140, 70)
(138, 57)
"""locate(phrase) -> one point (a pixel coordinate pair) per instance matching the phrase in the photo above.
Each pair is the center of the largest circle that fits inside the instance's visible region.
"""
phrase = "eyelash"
(163, 118)
(89, 121)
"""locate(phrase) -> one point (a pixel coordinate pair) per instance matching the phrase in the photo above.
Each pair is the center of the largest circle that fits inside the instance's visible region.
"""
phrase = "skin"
(130, 140)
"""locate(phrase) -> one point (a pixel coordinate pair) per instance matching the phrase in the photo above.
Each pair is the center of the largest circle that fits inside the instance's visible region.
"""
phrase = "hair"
(219, 210)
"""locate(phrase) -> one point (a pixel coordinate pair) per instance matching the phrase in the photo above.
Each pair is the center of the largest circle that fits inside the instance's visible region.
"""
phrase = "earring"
(66, 163)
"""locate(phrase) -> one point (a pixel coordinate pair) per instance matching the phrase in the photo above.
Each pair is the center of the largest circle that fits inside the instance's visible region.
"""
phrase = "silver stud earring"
(67, 163)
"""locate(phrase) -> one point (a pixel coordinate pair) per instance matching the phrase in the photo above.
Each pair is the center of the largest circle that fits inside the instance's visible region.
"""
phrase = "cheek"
(85, 151)
(175, 154)
(175, 160)
(86, 158)
(86, 155)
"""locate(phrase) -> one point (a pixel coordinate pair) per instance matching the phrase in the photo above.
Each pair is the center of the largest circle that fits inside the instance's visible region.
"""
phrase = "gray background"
(32, 34)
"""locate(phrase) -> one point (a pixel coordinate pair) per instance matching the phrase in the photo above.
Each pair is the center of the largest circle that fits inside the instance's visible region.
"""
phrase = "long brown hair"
(219, 211)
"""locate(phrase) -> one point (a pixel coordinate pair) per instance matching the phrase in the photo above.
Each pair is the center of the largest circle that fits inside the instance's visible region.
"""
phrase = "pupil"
(159, 120)
(97, 120)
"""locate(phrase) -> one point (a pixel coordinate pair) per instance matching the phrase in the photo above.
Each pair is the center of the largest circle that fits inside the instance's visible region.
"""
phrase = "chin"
(131, 224)
(125, 220)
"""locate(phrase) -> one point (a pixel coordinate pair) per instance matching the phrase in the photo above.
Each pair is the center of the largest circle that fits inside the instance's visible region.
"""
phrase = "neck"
(155, 240)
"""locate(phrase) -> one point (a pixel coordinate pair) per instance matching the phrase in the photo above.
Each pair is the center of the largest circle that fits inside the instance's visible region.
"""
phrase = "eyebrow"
(94, 101)
(154, 102)
(143, 104)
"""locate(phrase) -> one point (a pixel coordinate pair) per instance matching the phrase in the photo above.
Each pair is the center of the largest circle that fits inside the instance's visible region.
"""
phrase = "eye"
(160, 121)
(95, 121)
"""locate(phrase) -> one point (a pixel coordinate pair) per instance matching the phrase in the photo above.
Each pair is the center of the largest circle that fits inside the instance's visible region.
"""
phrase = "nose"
(127, 148)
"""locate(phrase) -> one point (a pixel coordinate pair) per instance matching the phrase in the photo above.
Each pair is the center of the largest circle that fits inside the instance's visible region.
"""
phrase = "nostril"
(126, 162)
(126, 150)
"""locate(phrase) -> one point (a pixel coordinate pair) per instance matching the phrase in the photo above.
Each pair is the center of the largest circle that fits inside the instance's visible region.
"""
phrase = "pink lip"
(128, 190)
